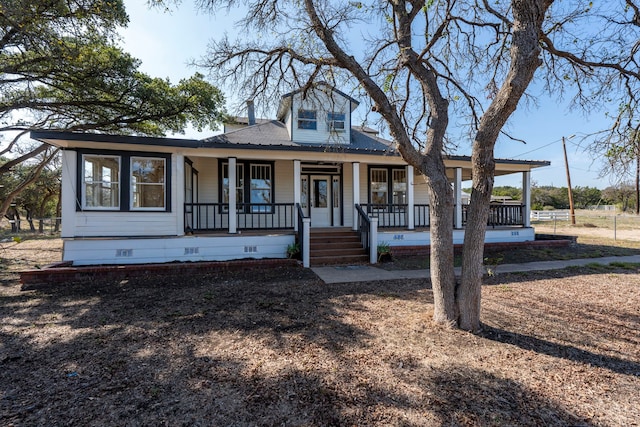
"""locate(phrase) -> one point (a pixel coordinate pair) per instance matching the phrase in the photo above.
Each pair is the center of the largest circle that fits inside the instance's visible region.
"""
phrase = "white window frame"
(385, 183)
(132, 185)
(84, 183)
(398, 186)
(335, 123)
(269, 172)
(313, 122)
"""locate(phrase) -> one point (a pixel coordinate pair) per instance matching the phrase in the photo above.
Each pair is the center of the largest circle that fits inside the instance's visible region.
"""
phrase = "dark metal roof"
(271, 135)
(48, 135)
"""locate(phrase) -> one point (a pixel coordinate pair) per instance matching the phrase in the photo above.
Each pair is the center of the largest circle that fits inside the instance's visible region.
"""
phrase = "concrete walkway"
(368, 273)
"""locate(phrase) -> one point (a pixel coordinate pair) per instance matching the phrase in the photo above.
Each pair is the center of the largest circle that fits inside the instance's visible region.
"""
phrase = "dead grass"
(279, 347)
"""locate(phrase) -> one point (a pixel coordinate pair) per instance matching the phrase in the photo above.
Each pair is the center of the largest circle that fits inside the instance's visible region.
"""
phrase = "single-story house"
(310, 179)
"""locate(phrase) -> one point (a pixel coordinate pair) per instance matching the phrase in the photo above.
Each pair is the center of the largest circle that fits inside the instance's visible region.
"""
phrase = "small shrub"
(384, 251)
(293, 251)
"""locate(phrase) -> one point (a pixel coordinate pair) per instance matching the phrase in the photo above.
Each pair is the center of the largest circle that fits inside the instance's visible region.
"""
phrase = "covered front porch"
(381, 203)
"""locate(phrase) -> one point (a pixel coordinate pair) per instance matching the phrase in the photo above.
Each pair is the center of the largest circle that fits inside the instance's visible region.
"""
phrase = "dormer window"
(307, 120)
(335, 122)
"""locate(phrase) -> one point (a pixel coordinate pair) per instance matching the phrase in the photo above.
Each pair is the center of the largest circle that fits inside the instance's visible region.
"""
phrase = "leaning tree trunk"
(528, 16)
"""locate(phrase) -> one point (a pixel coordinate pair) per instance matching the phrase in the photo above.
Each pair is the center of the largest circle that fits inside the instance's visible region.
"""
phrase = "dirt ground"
(279, 347)
(590, 232)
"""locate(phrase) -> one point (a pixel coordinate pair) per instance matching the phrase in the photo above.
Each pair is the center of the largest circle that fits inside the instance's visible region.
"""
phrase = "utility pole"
(566, 164)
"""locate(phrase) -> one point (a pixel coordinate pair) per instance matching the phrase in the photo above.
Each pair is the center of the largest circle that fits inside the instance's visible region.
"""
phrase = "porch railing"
(364, 227)
(300, 228)
(391, 215)
(421, 215)
(500, 215)
(388, 215)
(249, 216)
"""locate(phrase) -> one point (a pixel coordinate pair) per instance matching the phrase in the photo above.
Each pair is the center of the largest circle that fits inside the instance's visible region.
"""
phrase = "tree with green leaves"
(61, 68)
(623, 195)
(427, 67)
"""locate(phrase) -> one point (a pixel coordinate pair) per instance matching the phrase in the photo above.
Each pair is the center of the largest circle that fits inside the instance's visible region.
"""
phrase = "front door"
(321, 206)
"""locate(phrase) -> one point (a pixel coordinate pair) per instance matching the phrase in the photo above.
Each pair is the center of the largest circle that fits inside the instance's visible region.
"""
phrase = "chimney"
(251, 114)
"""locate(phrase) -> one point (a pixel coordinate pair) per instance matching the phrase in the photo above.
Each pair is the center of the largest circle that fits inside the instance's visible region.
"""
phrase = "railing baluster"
(262, 216)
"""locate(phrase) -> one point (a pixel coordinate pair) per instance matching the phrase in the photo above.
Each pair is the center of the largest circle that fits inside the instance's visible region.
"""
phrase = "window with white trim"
(307, 119)
(123, 181)
(399, 186)
(379, 186)
(336, 122)
(148, 183)
(101, 182)
(387, 186)
(260, 187)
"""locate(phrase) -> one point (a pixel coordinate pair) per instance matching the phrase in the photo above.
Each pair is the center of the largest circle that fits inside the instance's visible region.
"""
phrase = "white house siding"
(68, 189)
(420, 195)
(347, 194)
(422, 238)
(322, 103)
(104, 224)
(91, 223)
(189, 248)
(207, 168)
(283, 177)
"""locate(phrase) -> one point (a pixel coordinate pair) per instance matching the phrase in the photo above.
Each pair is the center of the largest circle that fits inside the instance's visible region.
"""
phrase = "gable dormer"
(319, 115)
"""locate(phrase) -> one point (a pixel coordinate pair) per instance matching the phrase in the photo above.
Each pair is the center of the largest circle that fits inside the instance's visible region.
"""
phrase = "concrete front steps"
(331, 246)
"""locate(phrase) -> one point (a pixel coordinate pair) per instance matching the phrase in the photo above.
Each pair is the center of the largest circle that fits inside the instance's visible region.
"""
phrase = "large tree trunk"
(441, 254)
(468, 293)
(528, 16)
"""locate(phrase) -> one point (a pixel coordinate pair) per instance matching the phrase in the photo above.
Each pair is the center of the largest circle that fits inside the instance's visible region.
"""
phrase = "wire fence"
(598, 223)
(33, 225)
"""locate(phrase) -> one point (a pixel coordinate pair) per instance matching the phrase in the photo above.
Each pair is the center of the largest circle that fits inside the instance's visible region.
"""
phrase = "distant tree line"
(623, 196)
(38, 200)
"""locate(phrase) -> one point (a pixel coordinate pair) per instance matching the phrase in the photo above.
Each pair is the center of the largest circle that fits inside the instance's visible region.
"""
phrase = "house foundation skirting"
(123, 251)
(398, 237)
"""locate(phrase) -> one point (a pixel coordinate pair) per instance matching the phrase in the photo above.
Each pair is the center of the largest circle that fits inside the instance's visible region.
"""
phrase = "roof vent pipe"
(251, 114)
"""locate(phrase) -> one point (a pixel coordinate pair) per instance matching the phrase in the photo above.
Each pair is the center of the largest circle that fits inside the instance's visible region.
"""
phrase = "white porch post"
(306, 236)
(410, 200)
(457, 197)
(526, 197)
(296, 191)
(233, 220)
(373, 241)
(356, 192)
(179, 197)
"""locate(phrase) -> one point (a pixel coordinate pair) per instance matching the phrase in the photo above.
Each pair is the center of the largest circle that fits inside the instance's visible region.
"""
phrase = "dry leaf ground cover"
(279, 347)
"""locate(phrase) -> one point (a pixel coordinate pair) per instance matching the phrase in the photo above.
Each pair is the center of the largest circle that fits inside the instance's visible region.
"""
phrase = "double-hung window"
(101, 182)
(399, 186)
(307, 119)
(388, 186)
(379, 186)
(147, 183)
(260, 187)
(123, 181)
(254, 186)
(335, 122)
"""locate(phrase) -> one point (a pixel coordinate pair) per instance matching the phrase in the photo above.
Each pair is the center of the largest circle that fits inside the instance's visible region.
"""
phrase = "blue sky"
(166, 42)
